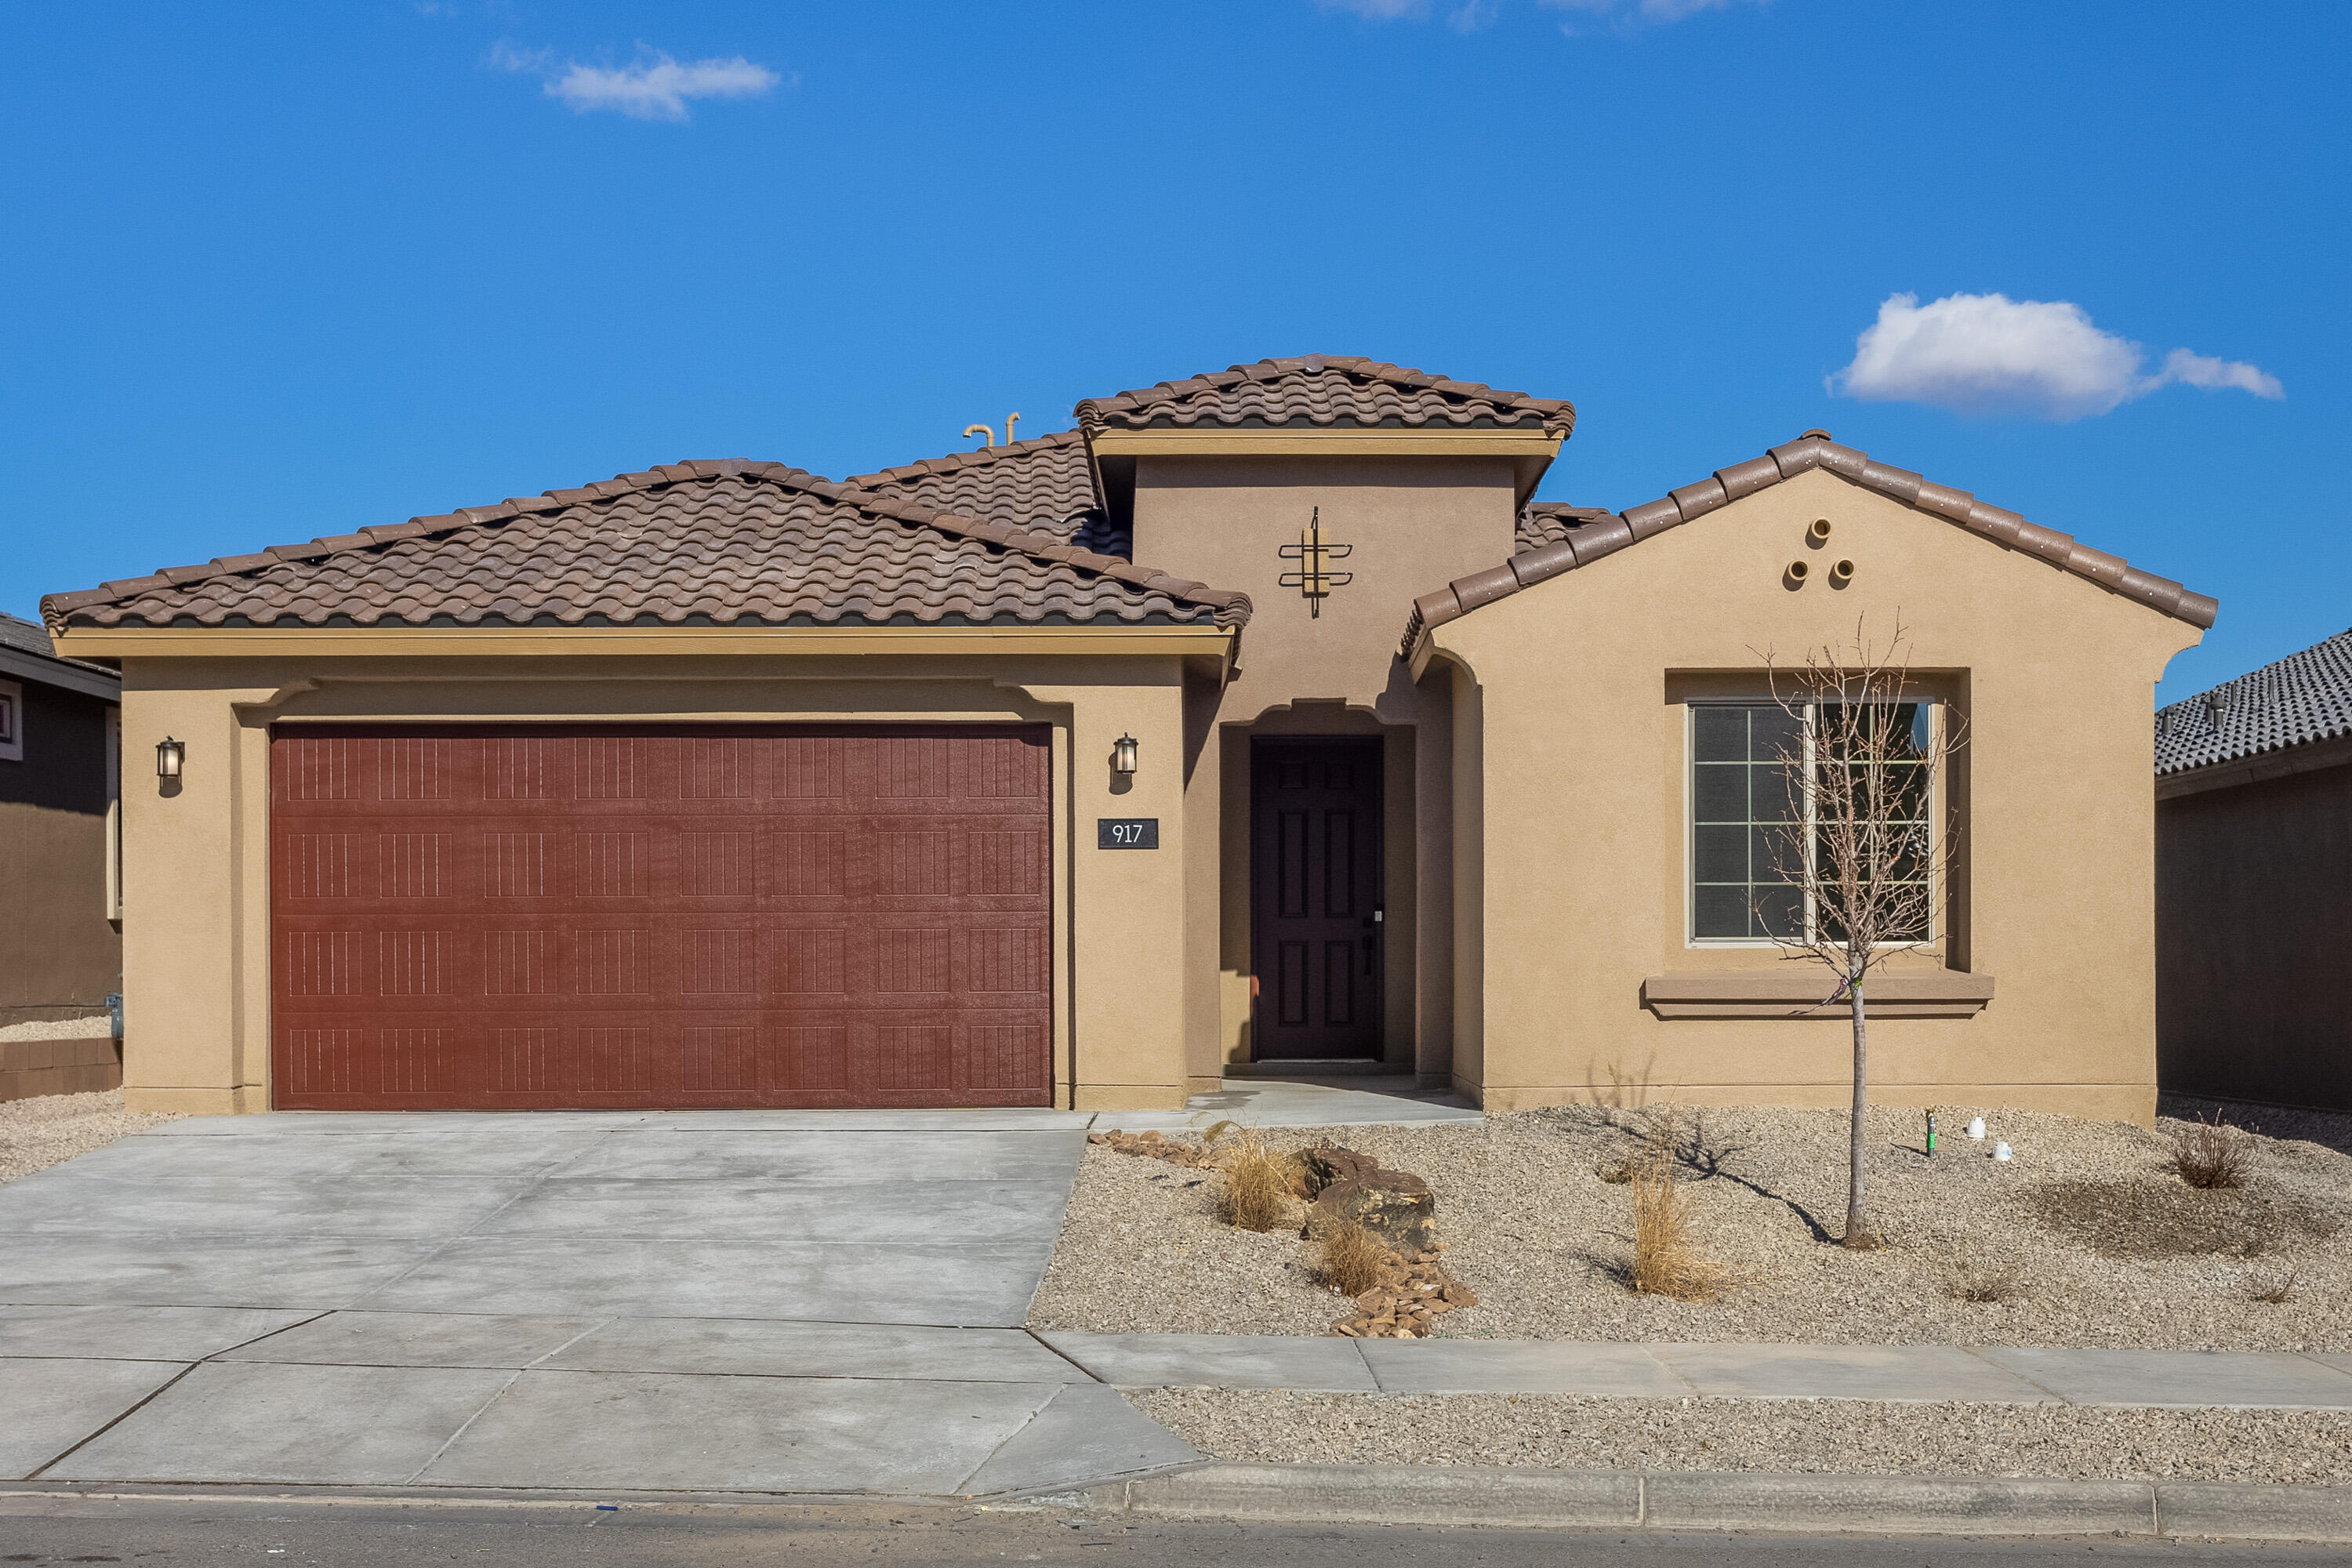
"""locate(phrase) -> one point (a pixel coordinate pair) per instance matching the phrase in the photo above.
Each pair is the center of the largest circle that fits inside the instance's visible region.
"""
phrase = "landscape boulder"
(1397, 1206)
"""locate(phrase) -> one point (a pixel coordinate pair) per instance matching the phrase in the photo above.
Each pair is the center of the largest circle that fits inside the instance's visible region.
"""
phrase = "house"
(2254, 880)
(1264, 718)
(61, 932)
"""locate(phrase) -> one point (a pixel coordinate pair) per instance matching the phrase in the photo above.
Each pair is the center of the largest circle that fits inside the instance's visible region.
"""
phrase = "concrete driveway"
(780, 1301)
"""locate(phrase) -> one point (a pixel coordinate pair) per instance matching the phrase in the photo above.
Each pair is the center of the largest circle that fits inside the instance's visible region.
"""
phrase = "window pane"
(1782, 912)
(1719, 854)
(1720, 791)
(1905, 792)
(1773, 733)
(1771, 853)
(1717, 912)
(1719, 734)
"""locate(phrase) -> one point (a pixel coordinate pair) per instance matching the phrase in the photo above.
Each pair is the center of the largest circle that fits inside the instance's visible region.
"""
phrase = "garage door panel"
(707, 915)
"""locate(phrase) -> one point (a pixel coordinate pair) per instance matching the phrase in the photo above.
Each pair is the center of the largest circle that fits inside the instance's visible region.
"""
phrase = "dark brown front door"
(1315, 898)
(639, 916)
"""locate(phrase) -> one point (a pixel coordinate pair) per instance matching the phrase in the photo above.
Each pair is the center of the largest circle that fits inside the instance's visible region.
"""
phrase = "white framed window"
(1745, 817)
(12, 721)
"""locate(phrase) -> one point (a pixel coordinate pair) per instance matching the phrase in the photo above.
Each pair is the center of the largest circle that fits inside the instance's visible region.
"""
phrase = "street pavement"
(358, 1533)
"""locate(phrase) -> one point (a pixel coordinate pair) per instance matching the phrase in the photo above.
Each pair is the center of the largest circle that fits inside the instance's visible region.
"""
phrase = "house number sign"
(1127, 833)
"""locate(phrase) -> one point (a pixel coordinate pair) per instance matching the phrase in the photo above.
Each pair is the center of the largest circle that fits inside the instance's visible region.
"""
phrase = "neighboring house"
(2253, 877)
(1084, 770)
(60, 933)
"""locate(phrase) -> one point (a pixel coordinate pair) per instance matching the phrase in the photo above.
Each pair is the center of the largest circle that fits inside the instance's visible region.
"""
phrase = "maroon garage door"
(531, 917)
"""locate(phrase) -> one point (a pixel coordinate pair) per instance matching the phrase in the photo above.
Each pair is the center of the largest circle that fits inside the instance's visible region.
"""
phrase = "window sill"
(1779, 994)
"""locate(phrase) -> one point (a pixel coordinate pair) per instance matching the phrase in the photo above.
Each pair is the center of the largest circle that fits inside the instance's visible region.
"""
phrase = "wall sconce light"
(1122, 754)
(169, 756)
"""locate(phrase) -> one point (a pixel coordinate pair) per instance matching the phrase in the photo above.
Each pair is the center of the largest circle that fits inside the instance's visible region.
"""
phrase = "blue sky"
(275, 271)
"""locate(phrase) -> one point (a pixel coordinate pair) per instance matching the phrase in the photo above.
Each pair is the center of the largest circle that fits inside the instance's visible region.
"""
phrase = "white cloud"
(654, 87)
(2195, 370)
(1981, 353)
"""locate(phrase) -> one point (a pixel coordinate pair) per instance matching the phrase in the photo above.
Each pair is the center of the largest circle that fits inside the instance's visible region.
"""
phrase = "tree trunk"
(1857, 1228)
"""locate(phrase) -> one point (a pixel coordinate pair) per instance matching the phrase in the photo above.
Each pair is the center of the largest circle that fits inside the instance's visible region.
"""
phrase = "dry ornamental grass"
(1669, 1257)
(2211, 1153)
(1351, 1257)
(1257, 1185)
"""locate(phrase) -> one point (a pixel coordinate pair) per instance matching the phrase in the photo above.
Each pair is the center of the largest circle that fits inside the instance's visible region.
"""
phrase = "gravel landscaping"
(2086, 1238)
(1832, 1436)
(50, 1129)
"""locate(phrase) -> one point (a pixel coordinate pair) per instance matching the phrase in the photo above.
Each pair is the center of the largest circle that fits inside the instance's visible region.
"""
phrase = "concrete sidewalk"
(2253, 1380)
(1365, 1101)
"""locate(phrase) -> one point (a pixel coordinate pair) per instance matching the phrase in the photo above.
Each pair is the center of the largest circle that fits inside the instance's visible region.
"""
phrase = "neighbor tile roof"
(1324, 391)
(2303, 697)
(694, 542)
(31, 636)
(1605, 533)
(1042, 483)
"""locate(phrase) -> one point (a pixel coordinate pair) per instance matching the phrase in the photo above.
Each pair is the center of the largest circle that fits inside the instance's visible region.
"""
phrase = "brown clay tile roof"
(1324, 391)
(1548, 522)
(717, 543)
(1042, 483)
(1605, 533)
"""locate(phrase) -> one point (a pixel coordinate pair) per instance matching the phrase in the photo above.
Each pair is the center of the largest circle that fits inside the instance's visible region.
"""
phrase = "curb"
(1704, 1499)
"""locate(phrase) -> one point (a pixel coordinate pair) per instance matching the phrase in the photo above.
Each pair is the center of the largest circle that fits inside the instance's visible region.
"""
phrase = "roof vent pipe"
(988, 432)
(2217, 702)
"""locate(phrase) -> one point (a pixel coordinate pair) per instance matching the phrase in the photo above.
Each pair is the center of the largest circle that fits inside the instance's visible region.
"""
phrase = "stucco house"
(2254, 879)
(1263, 717)
(60, 938)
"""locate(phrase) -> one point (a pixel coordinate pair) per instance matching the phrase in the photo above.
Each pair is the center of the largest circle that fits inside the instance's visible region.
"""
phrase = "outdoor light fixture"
(1122, 754)
(169, 756)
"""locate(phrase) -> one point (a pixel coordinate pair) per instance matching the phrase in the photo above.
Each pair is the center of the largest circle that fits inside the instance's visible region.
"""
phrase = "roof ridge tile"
(1812, 449)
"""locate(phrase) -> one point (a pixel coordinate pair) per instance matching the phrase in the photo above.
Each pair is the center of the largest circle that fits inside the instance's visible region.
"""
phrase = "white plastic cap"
(2000, 1151)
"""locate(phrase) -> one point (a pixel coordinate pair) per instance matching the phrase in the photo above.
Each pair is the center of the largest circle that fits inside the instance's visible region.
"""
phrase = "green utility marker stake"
(1931, 1134)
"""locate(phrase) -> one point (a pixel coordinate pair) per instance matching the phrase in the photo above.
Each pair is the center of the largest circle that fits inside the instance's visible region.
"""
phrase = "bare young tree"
(1862, 860)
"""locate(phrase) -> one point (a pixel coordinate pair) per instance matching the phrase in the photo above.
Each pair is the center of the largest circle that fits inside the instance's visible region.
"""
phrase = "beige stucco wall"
(1569, 784)
(1412, 521)
(196, 948)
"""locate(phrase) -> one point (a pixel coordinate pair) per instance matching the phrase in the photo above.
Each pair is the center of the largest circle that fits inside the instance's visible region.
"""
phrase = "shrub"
(2272, 1288)
(1257, 1185)
(1352, 1257)
(1668, 1259)
(1973, 1279)
(2211, 1153)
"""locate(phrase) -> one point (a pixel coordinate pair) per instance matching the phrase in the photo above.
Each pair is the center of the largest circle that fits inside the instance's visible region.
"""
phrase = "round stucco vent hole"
(1842, 574)
(1797, 570)
(1818, 530)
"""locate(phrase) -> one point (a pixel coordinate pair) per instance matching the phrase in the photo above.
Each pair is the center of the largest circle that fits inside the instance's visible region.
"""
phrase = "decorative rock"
(1151, 1146)
(1394, 1205)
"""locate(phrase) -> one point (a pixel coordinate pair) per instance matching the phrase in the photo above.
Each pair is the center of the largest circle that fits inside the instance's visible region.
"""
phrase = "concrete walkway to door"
(773, 1301)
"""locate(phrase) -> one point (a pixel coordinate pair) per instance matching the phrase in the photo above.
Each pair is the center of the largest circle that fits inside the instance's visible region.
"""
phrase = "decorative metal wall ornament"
(1312, 579)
